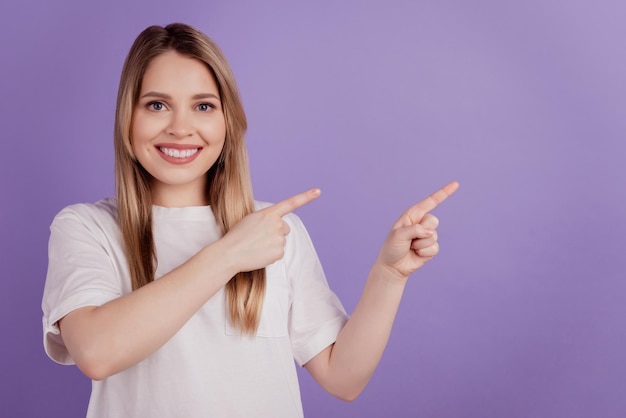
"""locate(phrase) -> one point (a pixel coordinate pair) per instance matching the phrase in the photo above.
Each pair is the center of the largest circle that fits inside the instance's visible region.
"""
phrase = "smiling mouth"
(176, 153)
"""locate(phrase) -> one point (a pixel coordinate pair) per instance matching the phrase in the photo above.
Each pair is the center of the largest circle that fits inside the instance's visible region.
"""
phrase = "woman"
(185, 297)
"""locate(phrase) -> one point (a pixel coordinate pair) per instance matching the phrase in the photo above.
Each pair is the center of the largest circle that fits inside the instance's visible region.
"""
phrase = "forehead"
(178, 74)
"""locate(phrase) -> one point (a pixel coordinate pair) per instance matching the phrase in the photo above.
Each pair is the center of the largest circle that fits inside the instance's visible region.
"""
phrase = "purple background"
(378, 103)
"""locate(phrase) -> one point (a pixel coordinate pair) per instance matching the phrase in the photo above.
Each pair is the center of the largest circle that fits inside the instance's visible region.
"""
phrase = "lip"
(180, 147)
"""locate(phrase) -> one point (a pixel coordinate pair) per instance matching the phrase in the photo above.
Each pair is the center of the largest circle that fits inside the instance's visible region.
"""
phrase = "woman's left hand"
(413, 238)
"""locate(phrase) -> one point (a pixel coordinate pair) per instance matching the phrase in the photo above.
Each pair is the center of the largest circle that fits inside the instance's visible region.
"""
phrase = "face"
(178, 128)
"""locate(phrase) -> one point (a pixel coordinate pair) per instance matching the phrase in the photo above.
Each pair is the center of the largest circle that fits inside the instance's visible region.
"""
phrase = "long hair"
(229, 189)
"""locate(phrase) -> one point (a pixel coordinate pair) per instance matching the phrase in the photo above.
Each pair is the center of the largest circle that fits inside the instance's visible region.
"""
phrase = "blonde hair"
(229, 189)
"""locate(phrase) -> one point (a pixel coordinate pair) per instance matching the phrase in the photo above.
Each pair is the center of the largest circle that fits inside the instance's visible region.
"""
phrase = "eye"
(205, 107)
(156, 106)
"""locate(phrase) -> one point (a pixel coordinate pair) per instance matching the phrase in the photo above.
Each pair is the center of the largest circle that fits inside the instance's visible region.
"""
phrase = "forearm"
(108, 339)
(361, 343)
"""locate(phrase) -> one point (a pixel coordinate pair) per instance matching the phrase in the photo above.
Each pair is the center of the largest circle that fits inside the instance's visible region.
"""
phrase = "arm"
(345, 367)
(107, 339)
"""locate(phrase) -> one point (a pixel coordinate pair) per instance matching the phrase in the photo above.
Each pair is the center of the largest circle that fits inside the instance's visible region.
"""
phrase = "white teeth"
(178, 153)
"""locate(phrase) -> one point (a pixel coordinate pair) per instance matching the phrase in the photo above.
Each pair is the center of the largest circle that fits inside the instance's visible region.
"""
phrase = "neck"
(179, 196)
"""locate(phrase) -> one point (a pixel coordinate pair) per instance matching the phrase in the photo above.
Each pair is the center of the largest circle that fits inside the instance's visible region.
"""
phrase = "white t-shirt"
(207, 369)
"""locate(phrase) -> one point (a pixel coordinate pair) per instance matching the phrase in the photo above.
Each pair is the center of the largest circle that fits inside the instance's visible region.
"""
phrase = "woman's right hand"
(258, 240)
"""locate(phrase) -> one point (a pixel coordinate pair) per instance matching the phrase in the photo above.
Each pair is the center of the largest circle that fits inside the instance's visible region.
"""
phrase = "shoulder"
(84, 227)
(105, 209)
(98, 218)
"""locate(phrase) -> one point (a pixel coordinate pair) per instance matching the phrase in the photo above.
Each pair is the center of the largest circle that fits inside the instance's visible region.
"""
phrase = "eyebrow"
(167, 96)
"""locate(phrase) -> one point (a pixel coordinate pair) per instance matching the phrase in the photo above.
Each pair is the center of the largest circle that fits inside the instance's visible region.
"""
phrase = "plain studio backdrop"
(378, 103)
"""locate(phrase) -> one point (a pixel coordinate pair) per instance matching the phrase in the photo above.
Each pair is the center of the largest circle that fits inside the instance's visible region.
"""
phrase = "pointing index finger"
(417, 212)
(288, 205)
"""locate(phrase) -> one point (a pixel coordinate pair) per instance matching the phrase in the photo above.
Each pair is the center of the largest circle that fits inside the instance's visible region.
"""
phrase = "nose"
(180, 125)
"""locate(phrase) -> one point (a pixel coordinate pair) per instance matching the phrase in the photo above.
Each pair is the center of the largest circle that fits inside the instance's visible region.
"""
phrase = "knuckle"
(430, 221)
(278, 253)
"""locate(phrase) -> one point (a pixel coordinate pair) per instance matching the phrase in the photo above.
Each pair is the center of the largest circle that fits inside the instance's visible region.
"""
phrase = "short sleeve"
(80, 273)
(316, 314)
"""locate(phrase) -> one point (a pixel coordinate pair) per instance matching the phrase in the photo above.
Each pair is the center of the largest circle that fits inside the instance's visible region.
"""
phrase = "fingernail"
(429, 231)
